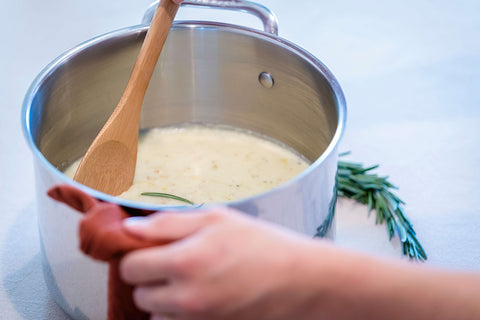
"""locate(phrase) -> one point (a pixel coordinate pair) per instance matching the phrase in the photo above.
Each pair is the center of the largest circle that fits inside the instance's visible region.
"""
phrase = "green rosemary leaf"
(350, 165)
(379, 210)
(360, 178)
(360, 197)
(343, 154)
(393, 205)
(411, 250)
(370, 202)
(368, 169)
(419, 249)
(358, 183)
(390, 227)
(373, 186)
(344, 172)
(401, 215)
(402, 232)
(166, 195)
(395, 198)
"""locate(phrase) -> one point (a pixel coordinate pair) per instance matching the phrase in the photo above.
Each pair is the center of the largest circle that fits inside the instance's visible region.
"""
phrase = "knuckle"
(143, 300)
(127, 270)
(193, 303)
(184, 264)
(159, 219)
(215, 215)
(153, 299)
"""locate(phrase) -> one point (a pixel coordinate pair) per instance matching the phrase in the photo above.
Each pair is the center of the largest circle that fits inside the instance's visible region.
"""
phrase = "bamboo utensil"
(109, 163)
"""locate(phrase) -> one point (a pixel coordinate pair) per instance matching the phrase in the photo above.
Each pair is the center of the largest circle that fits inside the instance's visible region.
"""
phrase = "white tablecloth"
(410, 71)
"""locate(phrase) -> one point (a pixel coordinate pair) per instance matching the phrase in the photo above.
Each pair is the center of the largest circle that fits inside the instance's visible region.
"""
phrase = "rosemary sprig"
(356, 182)
(166, 195)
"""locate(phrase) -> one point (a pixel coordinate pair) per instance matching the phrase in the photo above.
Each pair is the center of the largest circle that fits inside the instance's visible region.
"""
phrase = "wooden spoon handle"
(150, 51)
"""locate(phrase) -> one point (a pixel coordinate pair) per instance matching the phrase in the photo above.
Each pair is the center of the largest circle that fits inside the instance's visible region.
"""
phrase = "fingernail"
(135, 221)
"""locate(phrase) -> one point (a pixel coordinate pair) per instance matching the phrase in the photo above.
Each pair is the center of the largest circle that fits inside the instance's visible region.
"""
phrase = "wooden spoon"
(109, 164)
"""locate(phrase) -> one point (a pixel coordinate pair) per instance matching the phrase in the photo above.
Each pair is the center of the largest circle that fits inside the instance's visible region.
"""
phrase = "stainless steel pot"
(208, 73)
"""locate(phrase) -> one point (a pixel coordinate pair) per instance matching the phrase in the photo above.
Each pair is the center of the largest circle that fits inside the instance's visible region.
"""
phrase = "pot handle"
(268, 18)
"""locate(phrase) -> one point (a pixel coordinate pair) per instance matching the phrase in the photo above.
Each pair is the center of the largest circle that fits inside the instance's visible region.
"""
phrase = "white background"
(410, 71)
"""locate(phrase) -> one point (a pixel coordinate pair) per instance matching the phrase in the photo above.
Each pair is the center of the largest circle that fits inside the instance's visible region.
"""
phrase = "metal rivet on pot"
(266, 80)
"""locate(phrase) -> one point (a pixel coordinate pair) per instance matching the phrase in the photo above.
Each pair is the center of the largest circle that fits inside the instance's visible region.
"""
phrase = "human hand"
(220, 265)
(177, 1)
(223, 264)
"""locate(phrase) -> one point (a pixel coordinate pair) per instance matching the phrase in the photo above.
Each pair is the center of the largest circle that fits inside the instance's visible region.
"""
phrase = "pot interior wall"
(207, 75)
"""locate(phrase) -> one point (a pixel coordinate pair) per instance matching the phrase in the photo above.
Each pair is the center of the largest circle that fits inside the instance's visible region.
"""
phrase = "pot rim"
(70, 54)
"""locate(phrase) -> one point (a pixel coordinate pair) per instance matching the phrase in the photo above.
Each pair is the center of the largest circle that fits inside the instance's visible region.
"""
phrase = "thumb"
(171, 226)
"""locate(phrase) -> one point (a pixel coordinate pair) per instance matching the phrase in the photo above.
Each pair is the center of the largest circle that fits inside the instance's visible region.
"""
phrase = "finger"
(171, 226)
(163, 317)
(148, 265)
(156, 299)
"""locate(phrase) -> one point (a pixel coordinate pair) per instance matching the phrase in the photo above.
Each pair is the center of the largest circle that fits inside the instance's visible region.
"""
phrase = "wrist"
(336, 280)
(338, 284)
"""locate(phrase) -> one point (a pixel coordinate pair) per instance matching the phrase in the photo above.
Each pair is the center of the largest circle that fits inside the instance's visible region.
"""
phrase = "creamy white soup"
(207, 164)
